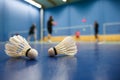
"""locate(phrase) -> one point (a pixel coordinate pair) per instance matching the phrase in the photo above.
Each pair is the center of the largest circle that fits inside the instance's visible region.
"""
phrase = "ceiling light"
(33, 3)
(64, 0)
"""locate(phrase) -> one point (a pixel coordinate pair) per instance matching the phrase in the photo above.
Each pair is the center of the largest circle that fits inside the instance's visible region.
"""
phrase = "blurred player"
(96, 26)
(32, 32)
(50, 24)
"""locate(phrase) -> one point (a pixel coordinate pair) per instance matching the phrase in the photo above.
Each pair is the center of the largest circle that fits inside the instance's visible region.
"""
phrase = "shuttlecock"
(66, 47)
(17, 46)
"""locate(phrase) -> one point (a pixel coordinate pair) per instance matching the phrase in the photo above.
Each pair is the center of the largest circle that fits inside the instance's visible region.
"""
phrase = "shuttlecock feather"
(17, 46)
(67, 47)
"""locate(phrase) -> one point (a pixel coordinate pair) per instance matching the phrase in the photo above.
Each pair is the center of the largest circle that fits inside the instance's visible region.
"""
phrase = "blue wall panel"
(18, 16)
(112, 11)
(60, 15)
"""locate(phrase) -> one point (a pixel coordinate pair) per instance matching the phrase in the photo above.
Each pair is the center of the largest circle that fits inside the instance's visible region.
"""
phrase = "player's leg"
(29, 37)
(96, 36)
(49, 34)
(35, 37)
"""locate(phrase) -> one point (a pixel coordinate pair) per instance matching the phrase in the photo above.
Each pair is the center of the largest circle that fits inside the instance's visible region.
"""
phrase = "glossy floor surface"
(92, 62)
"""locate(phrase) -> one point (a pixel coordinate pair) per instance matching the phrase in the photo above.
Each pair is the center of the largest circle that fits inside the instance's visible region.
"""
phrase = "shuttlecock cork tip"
(51, 52)
(32, 54)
